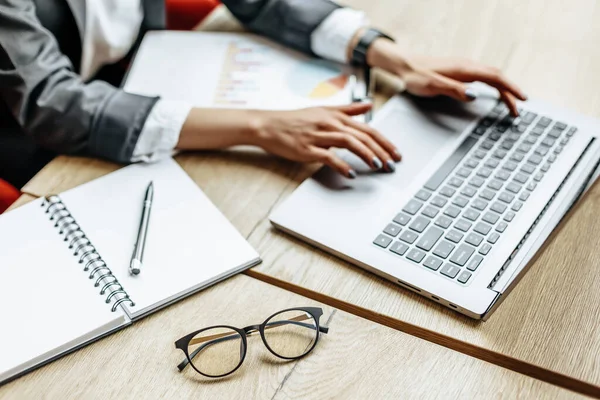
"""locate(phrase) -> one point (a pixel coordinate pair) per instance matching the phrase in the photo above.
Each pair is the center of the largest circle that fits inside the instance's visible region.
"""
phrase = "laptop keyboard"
(455, 219)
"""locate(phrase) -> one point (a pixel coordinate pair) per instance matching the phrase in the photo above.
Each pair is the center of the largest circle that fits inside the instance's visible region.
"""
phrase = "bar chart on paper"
(235, 70)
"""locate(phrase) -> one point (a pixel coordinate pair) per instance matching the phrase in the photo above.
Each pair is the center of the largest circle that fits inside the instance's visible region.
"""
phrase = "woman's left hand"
(433, 76)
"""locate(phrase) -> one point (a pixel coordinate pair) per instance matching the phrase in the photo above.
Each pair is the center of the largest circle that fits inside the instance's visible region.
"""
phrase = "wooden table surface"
(548, 327)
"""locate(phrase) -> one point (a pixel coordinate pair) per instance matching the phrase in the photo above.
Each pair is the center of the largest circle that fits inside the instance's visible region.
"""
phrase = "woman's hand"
(433, 76)
(305, 135)
(308, 135)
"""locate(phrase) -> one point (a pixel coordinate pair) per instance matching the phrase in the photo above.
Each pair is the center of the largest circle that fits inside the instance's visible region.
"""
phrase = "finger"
(329, 158)
(345, 140)
(353, 108)
(386, 160)
(441, 85)
(510, 101)
(376, 136)
(496, 79)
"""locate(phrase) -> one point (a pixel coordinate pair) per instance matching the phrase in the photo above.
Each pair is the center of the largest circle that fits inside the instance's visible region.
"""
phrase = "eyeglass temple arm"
(222, 337)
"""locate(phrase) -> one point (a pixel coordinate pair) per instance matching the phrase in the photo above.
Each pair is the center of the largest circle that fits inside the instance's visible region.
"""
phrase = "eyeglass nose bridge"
(249, 330)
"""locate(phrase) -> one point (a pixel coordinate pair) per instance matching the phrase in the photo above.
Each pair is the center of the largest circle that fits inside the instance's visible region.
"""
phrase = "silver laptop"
(473, 199)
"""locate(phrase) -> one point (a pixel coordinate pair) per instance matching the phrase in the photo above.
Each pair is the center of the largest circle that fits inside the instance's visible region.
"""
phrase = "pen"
(352, 84)
(135, 266)
(368, 91)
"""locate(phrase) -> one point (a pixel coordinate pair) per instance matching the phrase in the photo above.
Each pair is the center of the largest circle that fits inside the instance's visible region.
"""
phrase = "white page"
(190, 243)
(236, 70)
(47, 302)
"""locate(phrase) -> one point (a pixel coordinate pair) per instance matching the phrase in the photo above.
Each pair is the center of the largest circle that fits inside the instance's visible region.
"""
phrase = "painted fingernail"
(377, 164)
(390, 165)
(471, 94)
(352, 174)
(397, 154)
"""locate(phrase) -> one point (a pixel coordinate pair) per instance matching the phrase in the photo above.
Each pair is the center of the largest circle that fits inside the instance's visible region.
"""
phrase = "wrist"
(385, 54)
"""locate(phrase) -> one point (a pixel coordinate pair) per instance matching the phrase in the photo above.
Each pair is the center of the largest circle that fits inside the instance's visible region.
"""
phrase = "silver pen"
(135, 266)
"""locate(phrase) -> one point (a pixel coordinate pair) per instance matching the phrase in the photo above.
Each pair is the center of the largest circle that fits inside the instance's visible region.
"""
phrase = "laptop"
(475, 196)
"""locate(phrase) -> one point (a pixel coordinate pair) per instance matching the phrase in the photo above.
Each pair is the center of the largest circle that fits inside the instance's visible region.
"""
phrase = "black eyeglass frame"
(183, 343)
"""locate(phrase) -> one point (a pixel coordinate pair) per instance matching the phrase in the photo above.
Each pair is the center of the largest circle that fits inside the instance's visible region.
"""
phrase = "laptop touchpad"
(422, 130)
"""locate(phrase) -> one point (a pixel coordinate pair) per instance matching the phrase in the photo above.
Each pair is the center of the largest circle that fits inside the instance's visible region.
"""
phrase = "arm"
(52, 103)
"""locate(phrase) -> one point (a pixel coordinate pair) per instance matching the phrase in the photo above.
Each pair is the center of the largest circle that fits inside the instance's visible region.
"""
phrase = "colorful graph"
(316, 79)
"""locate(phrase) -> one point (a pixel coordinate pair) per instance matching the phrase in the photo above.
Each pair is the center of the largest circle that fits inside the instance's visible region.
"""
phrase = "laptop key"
(502, 175)
(510, 166)
(443, 249)
(430, 211)
(548, 142)
(454, 236)
(538, 177)
(487, 145)
(462, 254)
(561, 126)
(501, 227)
(472, 163)
(493, 238)
(408, 236)
(484, 172)
(382, 241)
(447, 191)
(541, 151)
(401, 219)
(495, 184)
(415, 255)
(463, 172)
(423, 195)
(473, 239)
(471, 214)
(479, 154)
(500, 154)
(399, 248)
(535, 159)
(527, 168)
(468, 191)
(460, 201)
(464, 277)
(521, 178)
(452, 211)
(571, 131)
(544, 121)
(451, 162)
(513, 187)
(516, 156)
(474, 263)
(450, 270)
(524, 196)
(419, 224)
(498, 207)
(528, 117)
(482, 228)
(412, 207)
(392, 230)
(432, 263)
(479, 204)
(485, 248)
(517, 206)
(531, 186)
(487, 194)
(545, 167)
(491, 163)
(455, 181)
(439, 201)
(555, 134)
(430, 238)
(463, 225)
(490, 218)
(509, 216)
(506, 197)
(476, 181)
(443, 221)
(537, 130)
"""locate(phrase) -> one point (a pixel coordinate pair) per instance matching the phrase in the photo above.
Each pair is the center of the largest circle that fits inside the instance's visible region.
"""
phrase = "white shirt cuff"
(331, 38)
(161, 130)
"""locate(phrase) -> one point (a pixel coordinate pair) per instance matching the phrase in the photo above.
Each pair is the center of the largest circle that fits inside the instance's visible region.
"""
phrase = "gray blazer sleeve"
(52, 103)
(290, 22)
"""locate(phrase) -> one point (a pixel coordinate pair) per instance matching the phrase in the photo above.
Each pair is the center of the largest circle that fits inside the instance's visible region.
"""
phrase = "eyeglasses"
(220, 350)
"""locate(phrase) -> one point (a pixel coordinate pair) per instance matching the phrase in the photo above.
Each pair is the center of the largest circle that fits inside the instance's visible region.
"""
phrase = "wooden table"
(548, 327)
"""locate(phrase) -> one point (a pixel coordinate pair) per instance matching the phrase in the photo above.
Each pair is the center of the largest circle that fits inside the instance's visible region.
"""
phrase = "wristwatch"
(359, 54)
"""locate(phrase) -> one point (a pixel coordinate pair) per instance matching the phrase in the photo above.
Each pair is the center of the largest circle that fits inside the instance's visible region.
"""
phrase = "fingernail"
(352, 174)
(471, 94)
(377, 164)
(390, 165)
(397, 154)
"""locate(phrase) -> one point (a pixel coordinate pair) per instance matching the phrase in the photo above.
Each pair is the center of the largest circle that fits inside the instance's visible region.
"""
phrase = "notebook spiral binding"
(86, 252)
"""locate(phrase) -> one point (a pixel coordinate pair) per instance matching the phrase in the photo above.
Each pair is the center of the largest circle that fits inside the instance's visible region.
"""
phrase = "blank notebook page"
(47, 303)
(190, 243)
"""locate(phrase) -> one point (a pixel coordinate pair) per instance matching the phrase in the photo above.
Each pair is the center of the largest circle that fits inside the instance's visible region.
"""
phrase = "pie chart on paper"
(316, 79)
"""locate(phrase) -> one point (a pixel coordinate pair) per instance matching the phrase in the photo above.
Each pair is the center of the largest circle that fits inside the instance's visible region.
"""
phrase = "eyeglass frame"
(183, 343)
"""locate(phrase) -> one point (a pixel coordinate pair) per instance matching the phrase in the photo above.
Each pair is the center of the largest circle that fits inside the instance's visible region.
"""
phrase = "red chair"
(8, 195)
(186, 14)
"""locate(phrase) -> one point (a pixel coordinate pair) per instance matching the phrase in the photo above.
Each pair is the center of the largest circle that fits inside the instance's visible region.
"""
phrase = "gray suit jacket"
(51, 104)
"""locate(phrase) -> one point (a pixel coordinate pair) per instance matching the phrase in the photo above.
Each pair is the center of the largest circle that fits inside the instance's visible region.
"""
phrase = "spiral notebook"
(63, 261)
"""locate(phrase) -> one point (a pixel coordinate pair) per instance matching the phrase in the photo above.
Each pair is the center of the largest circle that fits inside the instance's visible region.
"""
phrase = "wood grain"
(356, 359)
(550, 321)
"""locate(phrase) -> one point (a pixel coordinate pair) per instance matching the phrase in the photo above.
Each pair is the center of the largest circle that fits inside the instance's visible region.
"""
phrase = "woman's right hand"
(307, 135)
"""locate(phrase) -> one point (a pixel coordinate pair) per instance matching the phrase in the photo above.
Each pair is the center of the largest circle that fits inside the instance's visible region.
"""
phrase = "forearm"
(206, 129)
